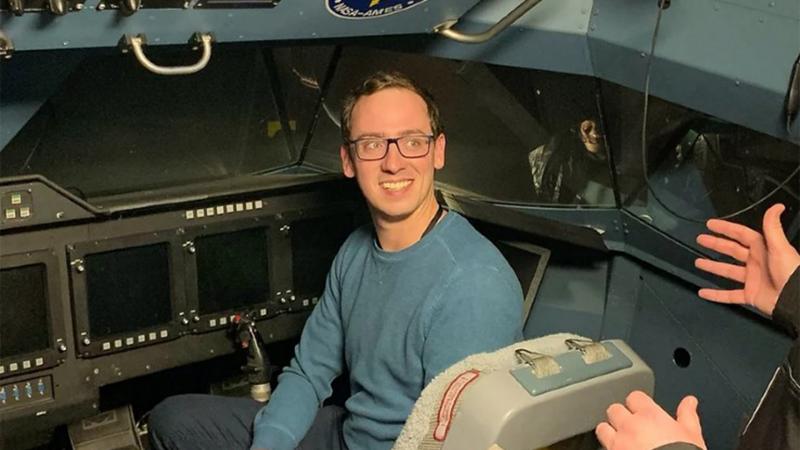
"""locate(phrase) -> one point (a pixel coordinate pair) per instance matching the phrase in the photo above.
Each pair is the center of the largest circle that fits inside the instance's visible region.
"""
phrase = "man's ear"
(347, 164)
(438, 151)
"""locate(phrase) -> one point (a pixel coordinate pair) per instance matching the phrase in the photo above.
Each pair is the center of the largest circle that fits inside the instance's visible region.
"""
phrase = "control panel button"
(26, 364)
(13, 367)
(16, 199)
(106, 345)
(163, 333)
(39, 362)
(152, 335)
(25, 212)
(11, 213)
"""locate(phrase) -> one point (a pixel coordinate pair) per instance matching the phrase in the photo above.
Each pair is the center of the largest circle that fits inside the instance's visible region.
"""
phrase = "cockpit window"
(697, 166)
(513, 135)
(115, 128)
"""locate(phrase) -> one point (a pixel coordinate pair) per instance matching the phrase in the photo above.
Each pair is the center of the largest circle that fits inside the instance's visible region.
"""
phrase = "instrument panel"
(95, 302)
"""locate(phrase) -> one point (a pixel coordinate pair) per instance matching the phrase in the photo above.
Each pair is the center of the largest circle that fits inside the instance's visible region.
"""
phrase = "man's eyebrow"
(409, 132)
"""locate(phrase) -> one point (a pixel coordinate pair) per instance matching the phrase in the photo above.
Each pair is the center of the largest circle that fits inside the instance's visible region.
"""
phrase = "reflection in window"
(698, 167)
(513, 135)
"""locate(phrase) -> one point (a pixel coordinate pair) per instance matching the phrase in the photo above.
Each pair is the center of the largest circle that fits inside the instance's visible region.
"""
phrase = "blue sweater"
(395, 320)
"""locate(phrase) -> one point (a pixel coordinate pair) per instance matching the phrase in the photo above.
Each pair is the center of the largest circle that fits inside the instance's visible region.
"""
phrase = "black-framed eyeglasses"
(375, 148)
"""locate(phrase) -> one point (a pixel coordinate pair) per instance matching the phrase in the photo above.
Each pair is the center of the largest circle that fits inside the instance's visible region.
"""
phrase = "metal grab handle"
(446, 28)
(136, 43)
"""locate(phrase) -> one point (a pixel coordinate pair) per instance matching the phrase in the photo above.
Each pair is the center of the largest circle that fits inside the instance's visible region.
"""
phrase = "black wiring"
(650, 189)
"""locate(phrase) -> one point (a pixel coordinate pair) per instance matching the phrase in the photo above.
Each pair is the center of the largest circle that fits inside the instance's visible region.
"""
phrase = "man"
(405, 298)
(771, 279)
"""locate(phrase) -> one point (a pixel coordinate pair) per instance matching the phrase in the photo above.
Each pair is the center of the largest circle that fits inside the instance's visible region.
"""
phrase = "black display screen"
(128, 289)
(23, 310)
(232, 270)
(315, 243)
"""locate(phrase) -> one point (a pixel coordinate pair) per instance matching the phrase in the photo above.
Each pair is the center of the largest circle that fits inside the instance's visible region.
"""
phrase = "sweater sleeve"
(787, 310)
(306, 382)
(479, 310)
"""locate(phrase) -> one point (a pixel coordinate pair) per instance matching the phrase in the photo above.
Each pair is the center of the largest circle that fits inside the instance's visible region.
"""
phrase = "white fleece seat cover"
(418, 432)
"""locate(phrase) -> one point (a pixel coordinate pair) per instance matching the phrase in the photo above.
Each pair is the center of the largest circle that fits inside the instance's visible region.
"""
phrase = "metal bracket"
(137, 42)
(446, 28)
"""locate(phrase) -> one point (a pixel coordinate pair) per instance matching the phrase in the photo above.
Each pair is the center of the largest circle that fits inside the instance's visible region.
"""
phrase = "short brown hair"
(379, 81)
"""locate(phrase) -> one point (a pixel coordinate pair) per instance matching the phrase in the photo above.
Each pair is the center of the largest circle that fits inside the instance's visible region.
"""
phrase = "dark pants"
(208, 422)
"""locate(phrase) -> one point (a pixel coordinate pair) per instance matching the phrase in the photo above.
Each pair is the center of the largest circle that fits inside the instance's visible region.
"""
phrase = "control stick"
(257, 367)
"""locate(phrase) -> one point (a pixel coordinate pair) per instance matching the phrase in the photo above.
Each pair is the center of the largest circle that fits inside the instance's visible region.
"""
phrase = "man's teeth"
(395, 185)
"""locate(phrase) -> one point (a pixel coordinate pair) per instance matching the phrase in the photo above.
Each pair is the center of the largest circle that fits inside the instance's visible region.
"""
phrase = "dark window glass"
(513, 135)
(23, 310)
(113, 127)
(232, 270)
(314, 245)
(697, 166)
(128, 289)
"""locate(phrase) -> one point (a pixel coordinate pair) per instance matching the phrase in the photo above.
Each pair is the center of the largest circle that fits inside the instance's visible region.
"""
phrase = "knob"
(195, 319)
(128, 7)
(62, 347)
(58, 7)
(184, 321)
(86, 341)
(16, 7)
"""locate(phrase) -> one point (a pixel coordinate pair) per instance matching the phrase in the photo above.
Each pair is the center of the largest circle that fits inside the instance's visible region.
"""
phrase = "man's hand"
(769, 260)
(641, 424)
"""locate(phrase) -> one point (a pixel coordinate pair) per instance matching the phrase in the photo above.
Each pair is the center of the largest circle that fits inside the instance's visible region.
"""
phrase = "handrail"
(136, 43)
(446, 28)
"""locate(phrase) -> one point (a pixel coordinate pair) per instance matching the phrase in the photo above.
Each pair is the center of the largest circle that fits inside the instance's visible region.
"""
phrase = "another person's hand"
(641, 424)
(769, 260)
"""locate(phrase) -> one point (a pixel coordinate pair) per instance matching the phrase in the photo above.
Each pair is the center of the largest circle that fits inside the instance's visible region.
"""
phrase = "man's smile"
(395, 185)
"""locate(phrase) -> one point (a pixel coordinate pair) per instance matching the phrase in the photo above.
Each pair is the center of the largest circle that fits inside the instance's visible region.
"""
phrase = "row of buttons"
(222, 209)
(22, 213)
(225, 320)
(13, 367)
(118, 343)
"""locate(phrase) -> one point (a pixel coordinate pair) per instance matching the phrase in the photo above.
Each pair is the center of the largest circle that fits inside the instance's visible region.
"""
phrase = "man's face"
(395, 186)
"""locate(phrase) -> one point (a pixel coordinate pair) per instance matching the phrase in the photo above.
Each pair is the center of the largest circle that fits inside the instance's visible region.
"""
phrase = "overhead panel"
(730, 59)
(550, 36)
(101, 23)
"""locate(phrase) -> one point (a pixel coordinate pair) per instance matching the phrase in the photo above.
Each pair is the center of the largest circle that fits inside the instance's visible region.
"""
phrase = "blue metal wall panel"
(551, 36)
(290, 19)
(728, 60)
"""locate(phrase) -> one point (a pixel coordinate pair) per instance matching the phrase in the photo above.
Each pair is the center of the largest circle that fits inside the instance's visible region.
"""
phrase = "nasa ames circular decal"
(368, 9)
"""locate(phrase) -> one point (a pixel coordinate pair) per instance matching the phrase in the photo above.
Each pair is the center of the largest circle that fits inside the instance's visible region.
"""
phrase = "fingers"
(724, 246)
(725, 270)
(735, 231)
(735, 296)
(617, 415)
(605, 434)
(638, 402)
(687, 415)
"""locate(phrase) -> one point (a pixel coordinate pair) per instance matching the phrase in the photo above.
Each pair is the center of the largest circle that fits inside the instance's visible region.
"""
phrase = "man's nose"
(393, 161)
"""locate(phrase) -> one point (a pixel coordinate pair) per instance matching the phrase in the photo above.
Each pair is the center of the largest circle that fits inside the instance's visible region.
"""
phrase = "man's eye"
(373, 145)
(414, 142)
